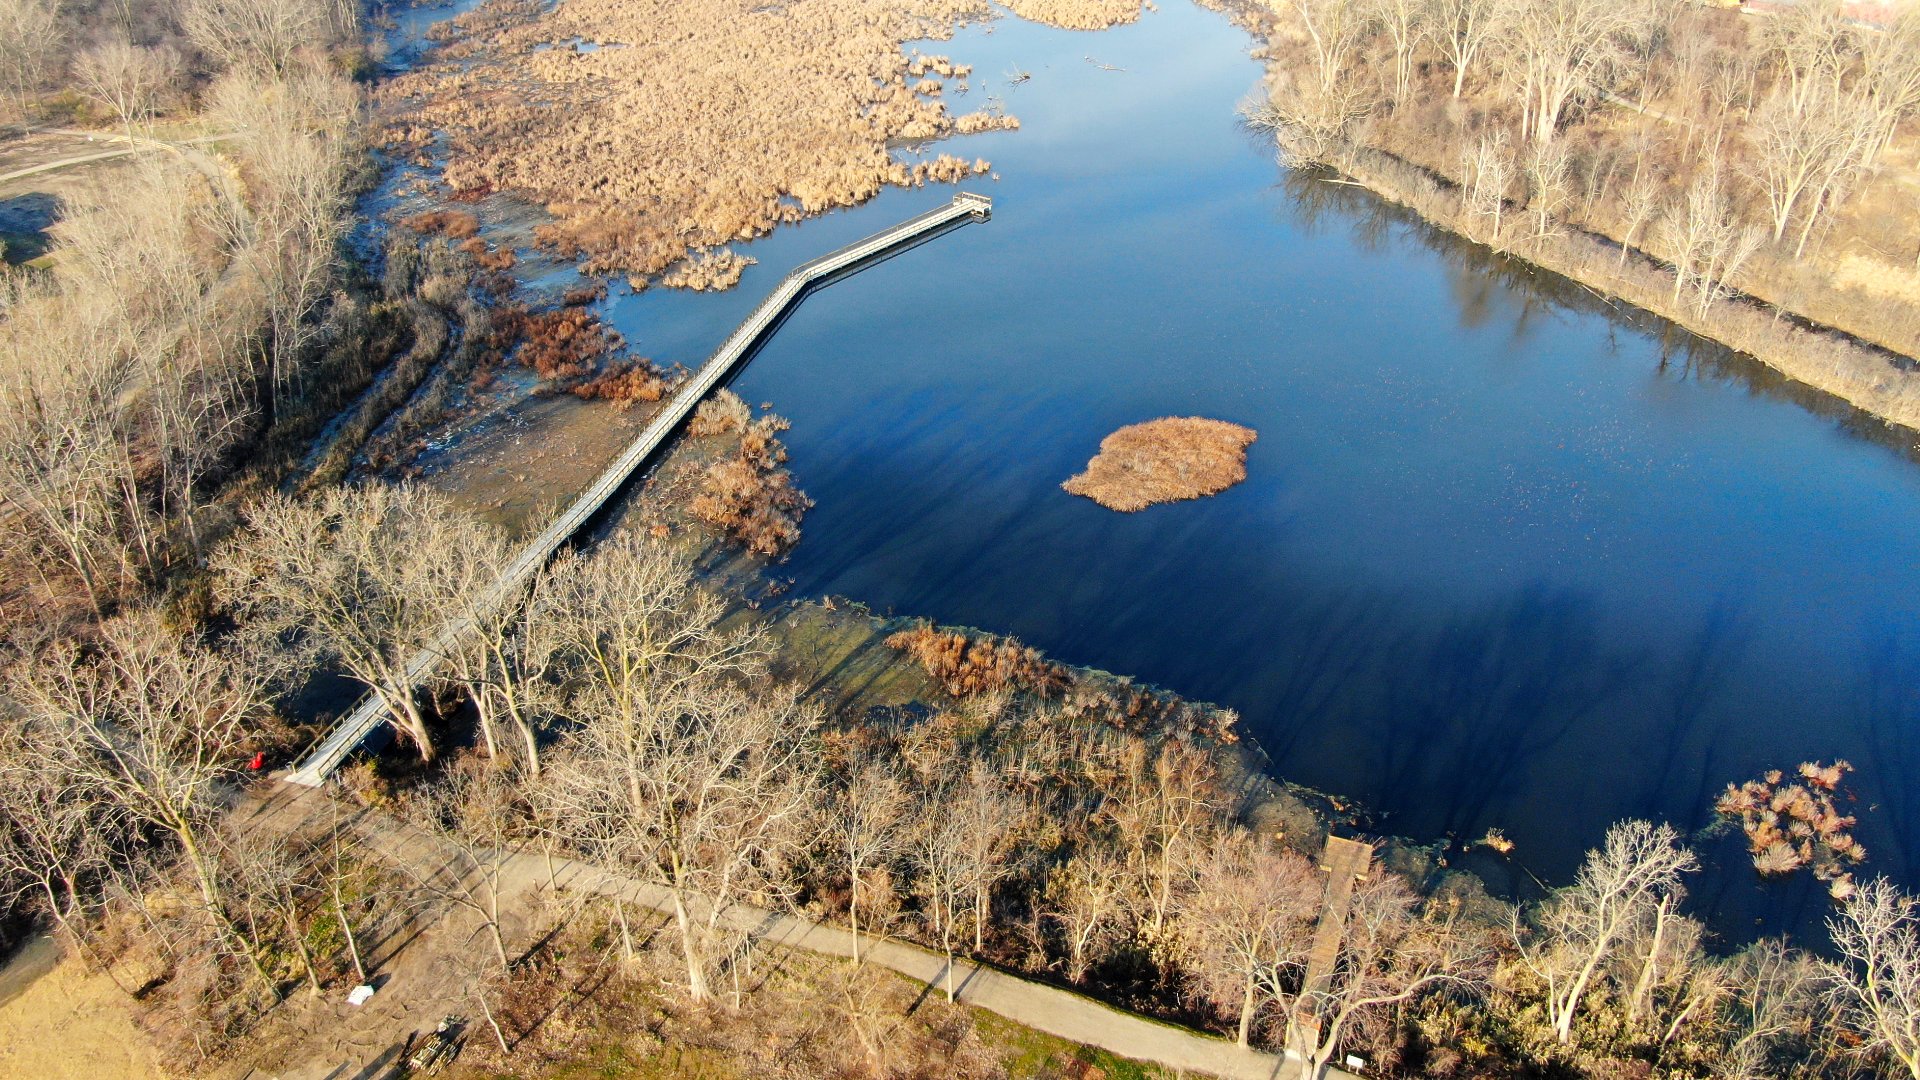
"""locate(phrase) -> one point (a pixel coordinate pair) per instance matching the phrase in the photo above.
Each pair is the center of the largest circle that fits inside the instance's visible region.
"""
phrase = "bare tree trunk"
(853, 915)
(696, 973)
(346, 929)
(626, 935)
(1246, 1013)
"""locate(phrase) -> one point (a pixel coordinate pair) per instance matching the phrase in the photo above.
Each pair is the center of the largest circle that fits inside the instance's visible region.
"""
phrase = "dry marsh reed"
(1077, 14)
(1166, 460)
(702, 123)
(968, 664)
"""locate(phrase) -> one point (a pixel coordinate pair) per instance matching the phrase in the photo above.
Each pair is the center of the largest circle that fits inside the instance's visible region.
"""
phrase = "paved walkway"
(1044, 1008)
(199, 161)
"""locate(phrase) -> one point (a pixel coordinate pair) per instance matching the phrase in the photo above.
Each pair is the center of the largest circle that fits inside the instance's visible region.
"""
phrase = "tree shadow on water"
(1470, 708)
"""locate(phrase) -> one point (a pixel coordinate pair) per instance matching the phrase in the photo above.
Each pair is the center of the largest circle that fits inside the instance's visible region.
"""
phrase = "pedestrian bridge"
(370, 714)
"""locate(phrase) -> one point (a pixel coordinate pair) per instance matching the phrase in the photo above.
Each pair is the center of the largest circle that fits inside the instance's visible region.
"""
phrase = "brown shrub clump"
(705, 271)
(1791, 825)
(1165, 460)
(967, 664)
(711, 122)
(721, 414)
(452, 224)
(748, 495)
(634, 379)
(564, 344)
(487, 258)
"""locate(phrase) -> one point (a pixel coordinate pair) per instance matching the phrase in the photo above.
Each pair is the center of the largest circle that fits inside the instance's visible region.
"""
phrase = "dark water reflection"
(1506, 556)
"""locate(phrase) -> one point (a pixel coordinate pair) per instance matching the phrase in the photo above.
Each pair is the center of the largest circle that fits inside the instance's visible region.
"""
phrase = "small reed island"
(1166, 460)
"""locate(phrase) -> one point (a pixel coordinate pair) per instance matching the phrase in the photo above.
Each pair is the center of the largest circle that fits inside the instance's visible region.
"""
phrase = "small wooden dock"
(368, 716)
(1346, 862)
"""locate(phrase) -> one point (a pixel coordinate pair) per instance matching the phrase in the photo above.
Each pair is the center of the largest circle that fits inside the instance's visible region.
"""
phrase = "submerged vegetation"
(1166, 460)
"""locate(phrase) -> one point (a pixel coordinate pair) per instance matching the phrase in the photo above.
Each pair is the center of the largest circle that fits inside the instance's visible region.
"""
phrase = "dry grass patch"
(713, 122)
(1166, 460)
(1077, 14)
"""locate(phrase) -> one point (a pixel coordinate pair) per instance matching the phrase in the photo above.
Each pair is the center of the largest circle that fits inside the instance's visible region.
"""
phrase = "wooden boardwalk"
(1346, 862)
(372, 711)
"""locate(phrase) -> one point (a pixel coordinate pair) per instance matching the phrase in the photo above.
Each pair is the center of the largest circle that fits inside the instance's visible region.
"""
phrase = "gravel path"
(1044, 1008)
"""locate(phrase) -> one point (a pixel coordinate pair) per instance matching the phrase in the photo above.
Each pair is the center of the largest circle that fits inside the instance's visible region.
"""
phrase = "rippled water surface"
(1504, 557)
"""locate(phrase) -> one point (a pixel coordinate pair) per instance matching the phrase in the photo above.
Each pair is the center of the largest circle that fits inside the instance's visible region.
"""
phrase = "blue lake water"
(1504, 557)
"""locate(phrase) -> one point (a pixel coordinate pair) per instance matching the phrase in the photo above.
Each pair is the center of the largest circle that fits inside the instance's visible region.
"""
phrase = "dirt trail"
(68, 1024)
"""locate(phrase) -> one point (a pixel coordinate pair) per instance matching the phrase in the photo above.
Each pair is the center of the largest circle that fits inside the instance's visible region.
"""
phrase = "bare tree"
(1890, 79)
(1579, 929)
(865, 818)
(1814, 46)
(942, 881)
(271, 879)
(294, 138)
(1708, 244)
(156, 724)
(127, 80)
(1877, 978)
(1250, 915)
(1487, 169)
(1335, 30)
(1085, 897)
(1775, 993)
(677, 766)
(1164, 808)
(371, 574)
(502, 663)
(30, 39)
(259, 35)
(63, 472)
(1638, 206)
(1802, 149)
(467, 818)
(1405, 23)
(1547, 187)
(1462, 30)
(989, 817)
(1562, 52)
(59, 832)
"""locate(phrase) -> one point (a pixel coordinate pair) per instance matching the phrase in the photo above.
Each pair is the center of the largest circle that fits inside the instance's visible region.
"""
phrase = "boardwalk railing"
(353, 729)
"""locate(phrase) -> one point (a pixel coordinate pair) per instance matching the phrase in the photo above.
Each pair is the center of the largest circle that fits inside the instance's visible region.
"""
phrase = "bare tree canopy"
(369, 575)
(1576, 932)
(1877, 934)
